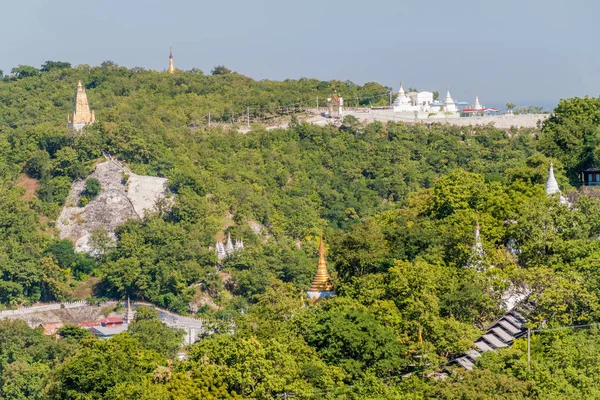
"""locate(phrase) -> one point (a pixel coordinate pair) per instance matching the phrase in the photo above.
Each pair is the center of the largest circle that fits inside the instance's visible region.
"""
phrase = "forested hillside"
(396, 204)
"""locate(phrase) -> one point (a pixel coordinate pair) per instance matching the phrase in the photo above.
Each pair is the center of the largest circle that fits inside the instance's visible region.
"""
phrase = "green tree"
(571, 135)
(220, 70)
(39, 165)
(101, 241)
(99, 366)
(92, 187)
(25, 71)
(73, 332)
(201, 382)
(361, 251)
(155, 335)
(356, 342)
(53, 65)
(22, 380)
(263, 368)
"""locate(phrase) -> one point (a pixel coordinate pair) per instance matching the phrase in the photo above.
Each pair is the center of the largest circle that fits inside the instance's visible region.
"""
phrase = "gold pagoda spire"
(82, 115)
(321, 285)
(171, 67)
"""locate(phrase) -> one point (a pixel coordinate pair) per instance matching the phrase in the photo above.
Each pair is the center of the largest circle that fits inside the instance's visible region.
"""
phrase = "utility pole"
(390, 97)
(528, 349)
(209, 120)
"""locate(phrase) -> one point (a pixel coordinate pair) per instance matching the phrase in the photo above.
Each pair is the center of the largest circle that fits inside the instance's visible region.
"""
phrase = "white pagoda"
(552, 186)
(228, 248)
(422, 105)
(449, 103)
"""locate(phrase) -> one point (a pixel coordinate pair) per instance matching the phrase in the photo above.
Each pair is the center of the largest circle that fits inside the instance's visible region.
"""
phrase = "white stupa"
(478, 248)
(402, 101)
(552, 186)
(477, 252)
(477, 105)
(449, 103)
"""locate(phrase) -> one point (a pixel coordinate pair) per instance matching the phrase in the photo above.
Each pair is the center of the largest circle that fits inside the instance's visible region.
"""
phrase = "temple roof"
(322, 281)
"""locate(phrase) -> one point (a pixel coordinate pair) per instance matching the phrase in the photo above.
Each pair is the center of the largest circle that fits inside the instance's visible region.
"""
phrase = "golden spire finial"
(322, 252)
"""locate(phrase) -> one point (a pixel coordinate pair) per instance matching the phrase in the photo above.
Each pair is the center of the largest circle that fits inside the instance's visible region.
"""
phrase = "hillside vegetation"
(396, 204)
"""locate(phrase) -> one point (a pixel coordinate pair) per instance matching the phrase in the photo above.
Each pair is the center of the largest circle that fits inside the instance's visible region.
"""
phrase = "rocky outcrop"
(124, 195)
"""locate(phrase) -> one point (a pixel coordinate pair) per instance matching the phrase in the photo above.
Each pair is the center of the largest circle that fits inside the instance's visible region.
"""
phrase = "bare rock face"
(124, 195)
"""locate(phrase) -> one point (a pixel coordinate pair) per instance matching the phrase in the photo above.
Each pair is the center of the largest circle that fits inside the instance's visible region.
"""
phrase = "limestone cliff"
(124, 195)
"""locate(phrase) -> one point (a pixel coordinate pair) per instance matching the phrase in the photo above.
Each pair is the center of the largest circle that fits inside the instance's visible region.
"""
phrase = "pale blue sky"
(524, 51)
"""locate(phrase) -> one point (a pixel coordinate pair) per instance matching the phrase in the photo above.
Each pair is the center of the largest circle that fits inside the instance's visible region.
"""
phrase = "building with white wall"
(422, 105)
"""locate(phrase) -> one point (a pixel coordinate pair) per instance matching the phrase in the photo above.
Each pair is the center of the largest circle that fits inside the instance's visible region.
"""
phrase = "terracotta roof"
(51, 327)
(88, 324)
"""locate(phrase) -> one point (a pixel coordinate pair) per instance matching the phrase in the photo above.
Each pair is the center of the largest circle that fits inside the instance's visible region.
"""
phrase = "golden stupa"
(82, 115)
(171, 66)
(321, 286)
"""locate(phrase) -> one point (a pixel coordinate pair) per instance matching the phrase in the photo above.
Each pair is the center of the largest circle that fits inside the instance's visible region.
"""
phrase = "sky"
(529, 52)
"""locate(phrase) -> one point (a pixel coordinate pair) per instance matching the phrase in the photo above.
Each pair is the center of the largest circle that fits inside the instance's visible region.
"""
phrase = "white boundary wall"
(192, 326)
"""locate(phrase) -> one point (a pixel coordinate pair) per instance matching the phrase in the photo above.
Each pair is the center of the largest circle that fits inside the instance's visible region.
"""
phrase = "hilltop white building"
(422, 105)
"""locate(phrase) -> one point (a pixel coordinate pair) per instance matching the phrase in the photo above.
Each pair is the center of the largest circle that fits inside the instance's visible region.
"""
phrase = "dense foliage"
(397, 205)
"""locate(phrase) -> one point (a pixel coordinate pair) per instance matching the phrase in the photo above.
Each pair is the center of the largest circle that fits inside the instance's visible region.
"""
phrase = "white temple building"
(422, 105)
(227, 249)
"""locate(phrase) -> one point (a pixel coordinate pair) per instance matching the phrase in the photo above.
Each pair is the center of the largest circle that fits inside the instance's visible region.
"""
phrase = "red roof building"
(478, 109)
(111, 322)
